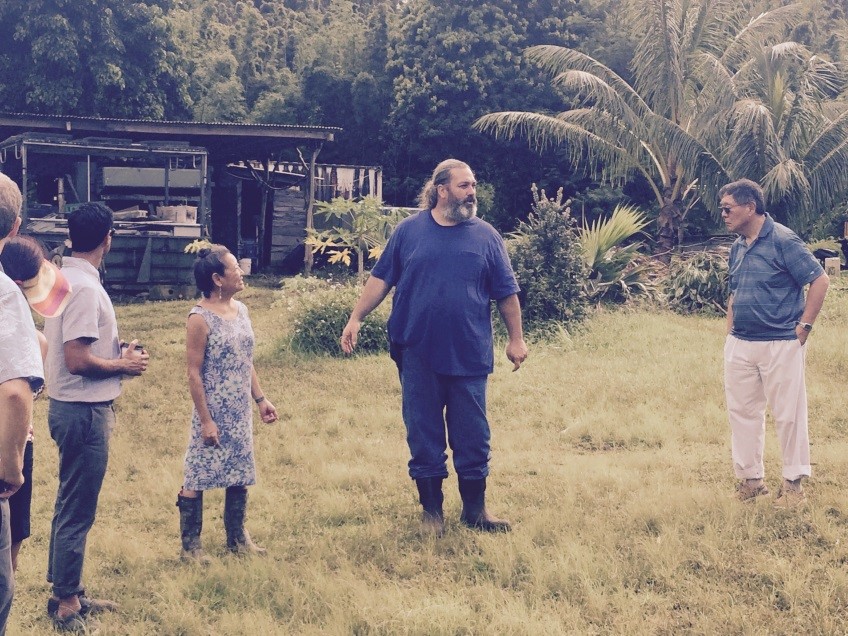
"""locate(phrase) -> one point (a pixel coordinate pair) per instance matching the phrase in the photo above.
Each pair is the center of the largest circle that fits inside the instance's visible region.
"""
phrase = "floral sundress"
(226, 374)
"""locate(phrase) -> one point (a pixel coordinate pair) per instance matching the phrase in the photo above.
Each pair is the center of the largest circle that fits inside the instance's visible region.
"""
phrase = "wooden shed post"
(310, 210)
(205, 210)
(24, 186)
(239, 237)
(263, 254)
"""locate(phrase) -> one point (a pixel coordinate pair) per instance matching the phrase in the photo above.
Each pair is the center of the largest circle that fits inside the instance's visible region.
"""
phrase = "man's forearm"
(81, 361)
(373, 293)
(510, 310)
(15, 418)
(815, 298)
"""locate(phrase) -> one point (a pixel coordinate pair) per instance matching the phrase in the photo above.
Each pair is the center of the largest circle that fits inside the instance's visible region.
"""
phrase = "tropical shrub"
(615, 272)
(320, 310)
(698, 283)
(548, 262)
(359, 228)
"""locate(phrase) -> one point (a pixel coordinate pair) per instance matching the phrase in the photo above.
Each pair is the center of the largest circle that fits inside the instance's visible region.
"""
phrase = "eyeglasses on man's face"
(725, 209)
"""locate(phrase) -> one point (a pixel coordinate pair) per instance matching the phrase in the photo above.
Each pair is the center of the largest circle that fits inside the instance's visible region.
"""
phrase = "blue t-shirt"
(767, 280)
(445, 279)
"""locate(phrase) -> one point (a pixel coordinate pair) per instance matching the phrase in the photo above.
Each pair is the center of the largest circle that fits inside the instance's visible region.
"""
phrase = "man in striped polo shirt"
(768, 323)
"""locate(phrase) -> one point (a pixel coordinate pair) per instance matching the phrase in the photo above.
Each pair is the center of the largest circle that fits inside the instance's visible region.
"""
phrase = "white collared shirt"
(89, 315)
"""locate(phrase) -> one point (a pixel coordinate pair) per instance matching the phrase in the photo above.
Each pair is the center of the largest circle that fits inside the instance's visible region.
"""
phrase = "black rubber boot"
(235, 512)
(431, 498)
(191, 525)
(474, 514)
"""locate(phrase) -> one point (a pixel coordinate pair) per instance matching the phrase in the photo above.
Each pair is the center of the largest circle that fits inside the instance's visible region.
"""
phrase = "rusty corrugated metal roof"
(166, 122)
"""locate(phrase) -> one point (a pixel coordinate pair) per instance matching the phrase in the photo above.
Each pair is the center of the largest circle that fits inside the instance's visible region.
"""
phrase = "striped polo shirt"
(767, 280)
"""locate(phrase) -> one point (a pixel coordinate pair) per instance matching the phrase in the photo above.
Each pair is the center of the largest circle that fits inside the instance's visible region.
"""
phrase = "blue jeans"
(434, 403)
(81, 431)
(7, 576)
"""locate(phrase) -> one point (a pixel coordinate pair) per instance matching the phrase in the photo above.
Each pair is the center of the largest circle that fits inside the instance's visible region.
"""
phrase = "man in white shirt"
(21, 372)
(85, 364)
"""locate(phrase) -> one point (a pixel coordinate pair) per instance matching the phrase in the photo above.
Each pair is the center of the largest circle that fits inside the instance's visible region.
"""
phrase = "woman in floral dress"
(222, 381)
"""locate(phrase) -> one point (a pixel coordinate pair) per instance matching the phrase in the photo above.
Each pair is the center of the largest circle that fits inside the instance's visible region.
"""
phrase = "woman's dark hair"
(22, 258)
(88, 225)
(210, 260)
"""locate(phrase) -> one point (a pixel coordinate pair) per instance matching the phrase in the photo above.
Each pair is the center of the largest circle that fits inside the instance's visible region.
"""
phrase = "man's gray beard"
(461, 211)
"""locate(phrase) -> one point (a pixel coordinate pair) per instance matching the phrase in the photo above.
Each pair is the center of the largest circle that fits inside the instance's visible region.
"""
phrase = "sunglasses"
(725, 209)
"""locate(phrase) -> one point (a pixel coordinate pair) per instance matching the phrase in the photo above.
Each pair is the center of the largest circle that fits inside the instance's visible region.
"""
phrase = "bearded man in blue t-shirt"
(447, 266)
(768, 323)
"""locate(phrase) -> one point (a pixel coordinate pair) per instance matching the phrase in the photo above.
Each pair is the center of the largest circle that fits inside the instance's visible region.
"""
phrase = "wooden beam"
(308, 256)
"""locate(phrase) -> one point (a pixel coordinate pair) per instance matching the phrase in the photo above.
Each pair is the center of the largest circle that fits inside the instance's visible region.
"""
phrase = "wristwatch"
(806, 326)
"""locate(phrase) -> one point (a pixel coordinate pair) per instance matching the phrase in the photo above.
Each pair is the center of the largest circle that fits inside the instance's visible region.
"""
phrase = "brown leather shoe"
(788, 498)
(746, 492)
(90, 606)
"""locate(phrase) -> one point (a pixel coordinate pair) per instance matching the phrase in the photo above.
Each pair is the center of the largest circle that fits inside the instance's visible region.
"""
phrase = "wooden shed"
(258, 184)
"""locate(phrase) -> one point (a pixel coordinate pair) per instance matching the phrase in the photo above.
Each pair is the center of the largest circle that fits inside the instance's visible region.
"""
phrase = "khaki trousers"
(757, 374)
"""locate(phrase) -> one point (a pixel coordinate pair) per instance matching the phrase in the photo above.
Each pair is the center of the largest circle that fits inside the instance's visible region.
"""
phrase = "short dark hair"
(10, 204)
(209, 261)
(22, 258)
(88, 225)
(745, 191)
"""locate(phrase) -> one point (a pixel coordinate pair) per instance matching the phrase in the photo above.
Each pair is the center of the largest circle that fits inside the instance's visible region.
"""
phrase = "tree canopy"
(90, 57)
(661, 98)
(717, 94)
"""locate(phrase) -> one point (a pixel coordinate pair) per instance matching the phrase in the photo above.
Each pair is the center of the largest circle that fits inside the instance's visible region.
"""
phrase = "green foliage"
(717, 94)
(485, 200)
(450, 63)
(614, 272)
(547, 259)
(356, 227)
(196, 245)
(320, 310)
(91, 57)
(698, 283)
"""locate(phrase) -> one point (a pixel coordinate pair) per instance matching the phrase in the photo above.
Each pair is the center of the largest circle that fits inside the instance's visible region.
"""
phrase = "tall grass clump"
(548, 262)
(320, 309)
(698, 283)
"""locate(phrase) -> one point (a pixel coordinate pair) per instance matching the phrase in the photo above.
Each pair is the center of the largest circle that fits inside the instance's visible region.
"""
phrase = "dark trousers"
(434, 404)
(7, 576)
(81, 431)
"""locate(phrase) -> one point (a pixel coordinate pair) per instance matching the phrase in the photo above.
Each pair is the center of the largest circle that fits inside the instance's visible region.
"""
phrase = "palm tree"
(695, 66)
(787, 130)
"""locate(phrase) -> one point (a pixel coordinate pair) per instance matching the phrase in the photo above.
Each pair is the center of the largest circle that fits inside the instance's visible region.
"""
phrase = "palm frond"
(605, 158)
(694, 156)
(557, 59)
(826, 163)
(657, 60)
(763, 27)
(601, 236)
(753, 145)
(787, 182)
(592, 90)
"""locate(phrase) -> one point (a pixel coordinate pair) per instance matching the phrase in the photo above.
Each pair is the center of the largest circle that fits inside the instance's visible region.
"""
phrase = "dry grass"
(611, 457)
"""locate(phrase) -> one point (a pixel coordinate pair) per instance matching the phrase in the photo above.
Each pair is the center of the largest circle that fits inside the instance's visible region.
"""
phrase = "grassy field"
(610, 456)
